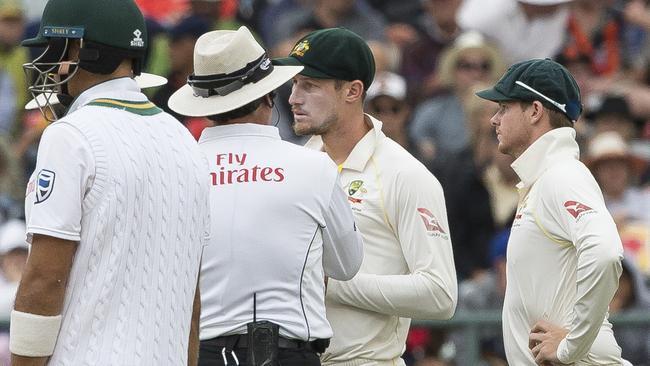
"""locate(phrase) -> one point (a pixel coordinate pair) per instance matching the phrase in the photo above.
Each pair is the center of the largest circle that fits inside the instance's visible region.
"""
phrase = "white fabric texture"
(408, 269)
(281, 223)
(33, 335)
(564, 256)
(131, 189)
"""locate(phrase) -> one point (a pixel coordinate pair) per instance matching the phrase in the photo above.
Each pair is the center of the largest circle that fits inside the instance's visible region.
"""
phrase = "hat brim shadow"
(637, 165)
(184, 102)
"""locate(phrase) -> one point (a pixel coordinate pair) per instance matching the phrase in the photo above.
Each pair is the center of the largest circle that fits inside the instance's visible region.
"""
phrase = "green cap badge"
(333, 53)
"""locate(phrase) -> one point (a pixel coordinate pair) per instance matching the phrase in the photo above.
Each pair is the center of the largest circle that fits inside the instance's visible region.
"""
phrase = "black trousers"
(209, 355)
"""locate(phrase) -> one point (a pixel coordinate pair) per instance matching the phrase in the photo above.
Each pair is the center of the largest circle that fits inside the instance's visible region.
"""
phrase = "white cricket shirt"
(408, 268)
(280, 223)
(564, 256)
(127, 182)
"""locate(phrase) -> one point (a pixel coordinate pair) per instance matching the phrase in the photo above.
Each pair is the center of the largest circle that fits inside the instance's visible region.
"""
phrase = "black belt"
(241, 341)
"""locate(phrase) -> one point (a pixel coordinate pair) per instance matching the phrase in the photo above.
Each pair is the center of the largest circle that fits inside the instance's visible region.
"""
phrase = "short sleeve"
(56, 190)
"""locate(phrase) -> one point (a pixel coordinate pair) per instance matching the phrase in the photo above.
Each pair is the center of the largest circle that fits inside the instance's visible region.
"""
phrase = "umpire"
(280, 218)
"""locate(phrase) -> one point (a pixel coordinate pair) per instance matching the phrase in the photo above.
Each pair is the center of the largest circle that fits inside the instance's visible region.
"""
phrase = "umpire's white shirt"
(280, 223)
(563, 259)
(408, 269)
(127, 182)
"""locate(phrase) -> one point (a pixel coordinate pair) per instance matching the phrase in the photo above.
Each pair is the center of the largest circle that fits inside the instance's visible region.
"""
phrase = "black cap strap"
(224, 84)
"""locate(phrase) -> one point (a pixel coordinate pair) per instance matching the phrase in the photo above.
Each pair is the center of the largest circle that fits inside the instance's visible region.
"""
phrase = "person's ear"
(355, 91)
(268, 100)
(536, 111)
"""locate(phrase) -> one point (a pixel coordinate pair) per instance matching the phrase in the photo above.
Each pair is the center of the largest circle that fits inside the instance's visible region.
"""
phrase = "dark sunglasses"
(484, 66)
(381, 109)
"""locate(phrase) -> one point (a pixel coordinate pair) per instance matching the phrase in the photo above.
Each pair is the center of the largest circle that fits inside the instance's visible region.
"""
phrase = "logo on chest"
(356, 191)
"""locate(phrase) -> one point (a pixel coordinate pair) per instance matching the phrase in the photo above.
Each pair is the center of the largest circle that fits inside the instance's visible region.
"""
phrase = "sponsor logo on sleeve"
(44, 185)
(577, 209)
(431, 224)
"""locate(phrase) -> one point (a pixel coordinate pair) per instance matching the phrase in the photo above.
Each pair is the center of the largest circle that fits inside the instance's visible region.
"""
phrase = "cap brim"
(144, 80)
(307, 71)
(493, 95)
(184, 102)
(34, 42)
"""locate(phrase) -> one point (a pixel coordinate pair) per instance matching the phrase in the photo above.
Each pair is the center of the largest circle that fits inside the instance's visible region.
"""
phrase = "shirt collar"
(362, 151)
(554, 146)
(120, 88)
(239, 129)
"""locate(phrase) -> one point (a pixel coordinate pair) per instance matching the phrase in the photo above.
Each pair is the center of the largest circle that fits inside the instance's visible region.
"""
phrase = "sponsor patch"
(431, 224)
(44, 185)
(576, 208)
(137, 39)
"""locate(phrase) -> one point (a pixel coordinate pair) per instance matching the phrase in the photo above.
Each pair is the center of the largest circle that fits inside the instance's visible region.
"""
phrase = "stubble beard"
(305, 129)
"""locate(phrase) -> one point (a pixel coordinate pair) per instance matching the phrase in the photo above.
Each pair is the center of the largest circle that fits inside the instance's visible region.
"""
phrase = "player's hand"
(544, 340)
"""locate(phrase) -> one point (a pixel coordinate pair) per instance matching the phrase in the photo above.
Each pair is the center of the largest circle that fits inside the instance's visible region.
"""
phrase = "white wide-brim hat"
(144, 81)
(545, 2)
(226, 65)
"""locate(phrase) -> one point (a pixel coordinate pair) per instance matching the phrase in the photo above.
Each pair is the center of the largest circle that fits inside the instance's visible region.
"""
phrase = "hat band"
(223, 84)
(559, 106)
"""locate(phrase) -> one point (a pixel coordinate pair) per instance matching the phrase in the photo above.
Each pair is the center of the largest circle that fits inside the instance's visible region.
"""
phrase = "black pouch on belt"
(263, 343)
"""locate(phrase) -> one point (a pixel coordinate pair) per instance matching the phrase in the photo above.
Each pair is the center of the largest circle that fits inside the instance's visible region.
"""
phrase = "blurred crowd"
(431, 56)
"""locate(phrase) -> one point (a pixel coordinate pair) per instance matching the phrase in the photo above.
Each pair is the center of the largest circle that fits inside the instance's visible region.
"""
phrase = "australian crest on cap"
(300, 49)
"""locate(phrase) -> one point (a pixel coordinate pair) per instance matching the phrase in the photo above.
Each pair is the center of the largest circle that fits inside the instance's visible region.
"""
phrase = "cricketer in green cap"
(564, 250)
(544, 80)
(105, 33)
(544, 90)
(333, 53)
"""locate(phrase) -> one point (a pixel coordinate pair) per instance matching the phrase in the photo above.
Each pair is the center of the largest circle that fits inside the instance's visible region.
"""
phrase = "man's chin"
(302, 129)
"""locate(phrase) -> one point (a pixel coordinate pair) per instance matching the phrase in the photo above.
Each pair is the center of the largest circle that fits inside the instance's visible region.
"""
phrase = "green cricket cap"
(543, 80)
(333, 53)
(115, 23)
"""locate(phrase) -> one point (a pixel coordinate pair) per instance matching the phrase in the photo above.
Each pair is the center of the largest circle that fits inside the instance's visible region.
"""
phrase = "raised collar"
(239, 130)
(554, 146)
(121, 88)
(362, 151)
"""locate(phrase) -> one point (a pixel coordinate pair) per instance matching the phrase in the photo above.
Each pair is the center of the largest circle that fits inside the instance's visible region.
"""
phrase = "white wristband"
(33, 335)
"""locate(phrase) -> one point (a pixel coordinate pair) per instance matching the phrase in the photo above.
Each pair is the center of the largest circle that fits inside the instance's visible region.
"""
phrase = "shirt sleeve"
(574, 202)
(342, 243)
(429, 290)
(63, 175)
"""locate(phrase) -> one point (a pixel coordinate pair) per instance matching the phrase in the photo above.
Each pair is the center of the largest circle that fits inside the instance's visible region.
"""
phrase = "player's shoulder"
(569, 170)
(398, 165)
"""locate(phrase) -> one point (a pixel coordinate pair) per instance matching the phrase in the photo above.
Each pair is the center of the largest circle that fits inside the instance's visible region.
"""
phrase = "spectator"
(13, 256)
(438, 128)
(613, 114)
(595, 31)
(632, 295)
(615, 170)
(436, 30)
(8, 105)
(12, 58)
(12, 183)
(182, 38)
(521, 29)
(386, 101)
(485, 292)
(354, 15)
